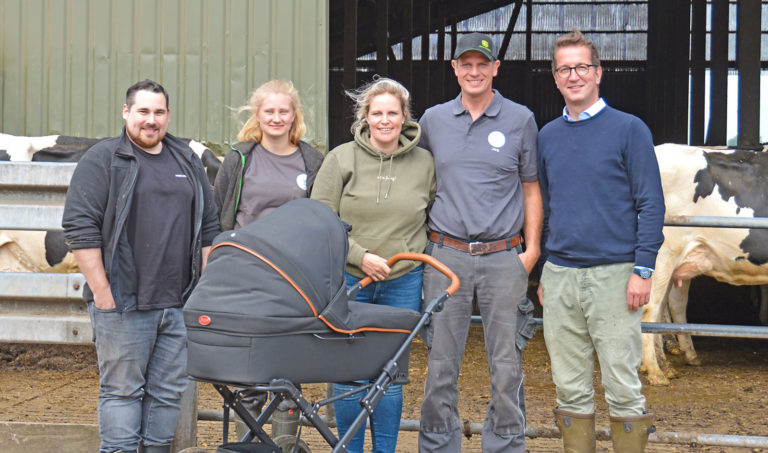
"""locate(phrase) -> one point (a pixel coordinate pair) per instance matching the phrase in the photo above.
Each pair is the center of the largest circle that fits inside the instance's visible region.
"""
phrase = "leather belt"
(477, 247)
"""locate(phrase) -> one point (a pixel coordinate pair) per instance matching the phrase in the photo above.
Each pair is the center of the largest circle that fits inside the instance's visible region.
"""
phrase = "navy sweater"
(600, 183)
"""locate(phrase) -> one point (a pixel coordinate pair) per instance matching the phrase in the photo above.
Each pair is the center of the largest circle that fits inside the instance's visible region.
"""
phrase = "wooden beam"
(425, 53)
(748, 64)
(698, 70)
(528, 29)
(454, 39)
(529, 91)
(350, 44)
(510, 29)
(439, 86)
(382, 37)
(667, 70)
(718, 78)
(407, 77)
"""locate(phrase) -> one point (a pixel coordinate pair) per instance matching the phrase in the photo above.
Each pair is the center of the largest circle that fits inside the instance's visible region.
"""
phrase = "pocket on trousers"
(526, 325)
(520, 262)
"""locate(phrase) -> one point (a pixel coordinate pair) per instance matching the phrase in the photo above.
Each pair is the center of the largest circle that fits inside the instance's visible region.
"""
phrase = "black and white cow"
(24, 250)
(63, 148)
(705, 182)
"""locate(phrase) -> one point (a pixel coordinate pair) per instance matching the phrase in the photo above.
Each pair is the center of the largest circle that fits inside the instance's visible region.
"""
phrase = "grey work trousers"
(498, 281)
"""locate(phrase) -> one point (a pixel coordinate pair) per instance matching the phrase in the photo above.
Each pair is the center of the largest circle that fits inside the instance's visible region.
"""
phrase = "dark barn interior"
(649, 49)
(655, 56)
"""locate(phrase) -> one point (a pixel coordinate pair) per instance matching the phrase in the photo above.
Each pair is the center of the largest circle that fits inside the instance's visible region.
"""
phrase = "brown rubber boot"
(630, 434)
(578, 431)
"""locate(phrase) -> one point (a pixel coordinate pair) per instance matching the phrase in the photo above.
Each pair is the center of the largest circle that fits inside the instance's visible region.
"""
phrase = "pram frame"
(283, 389)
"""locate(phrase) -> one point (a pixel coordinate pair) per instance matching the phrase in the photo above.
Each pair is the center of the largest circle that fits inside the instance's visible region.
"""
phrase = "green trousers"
(585, 311)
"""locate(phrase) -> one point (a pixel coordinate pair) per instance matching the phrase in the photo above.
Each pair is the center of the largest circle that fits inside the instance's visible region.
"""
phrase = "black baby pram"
(271, 311)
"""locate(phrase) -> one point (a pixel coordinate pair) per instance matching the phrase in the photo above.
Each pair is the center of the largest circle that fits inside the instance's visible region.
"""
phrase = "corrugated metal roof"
(618, 27)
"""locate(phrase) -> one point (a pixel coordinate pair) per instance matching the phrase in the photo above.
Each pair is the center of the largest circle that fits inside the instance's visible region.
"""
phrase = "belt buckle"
(477, 248)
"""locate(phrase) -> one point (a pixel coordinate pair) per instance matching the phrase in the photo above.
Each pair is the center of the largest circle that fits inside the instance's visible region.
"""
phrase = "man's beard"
(144, 142)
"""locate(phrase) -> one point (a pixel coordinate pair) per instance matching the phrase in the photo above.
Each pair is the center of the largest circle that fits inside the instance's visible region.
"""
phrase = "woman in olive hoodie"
(382, 185)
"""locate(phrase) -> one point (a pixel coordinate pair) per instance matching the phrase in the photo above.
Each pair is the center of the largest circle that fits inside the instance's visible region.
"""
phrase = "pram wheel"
(286, 443)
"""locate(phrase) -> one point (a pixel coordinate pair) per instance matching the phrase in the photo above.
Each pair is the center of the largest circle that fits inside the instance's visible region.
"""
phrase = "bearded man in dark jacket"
(140, 219)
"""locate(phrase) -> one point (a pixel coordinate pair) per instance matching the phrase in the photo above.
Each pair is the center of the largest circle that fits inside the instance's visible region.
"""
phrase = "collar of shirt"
(593, 110)
(492, 110)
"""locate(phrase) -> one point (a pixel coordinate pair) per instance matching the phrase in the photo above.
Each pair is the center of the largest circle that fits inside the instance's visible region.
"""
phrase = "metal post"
(186, 429)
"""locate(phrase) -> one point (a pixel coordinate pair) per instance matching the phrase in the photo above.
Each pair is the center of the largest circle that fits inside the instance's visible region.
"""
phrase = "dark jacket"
(99, 200)
(229, 181)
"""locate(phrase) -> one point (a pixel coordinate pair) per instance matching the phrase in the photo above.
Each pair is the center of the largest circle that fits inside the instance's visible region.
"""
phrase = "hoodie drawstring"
(389, 177)
(378, 179)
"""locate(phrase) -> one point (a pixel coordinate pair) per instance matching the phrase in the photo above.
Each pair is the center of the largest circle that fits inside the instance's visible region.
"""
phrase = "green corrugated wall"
(65, 64)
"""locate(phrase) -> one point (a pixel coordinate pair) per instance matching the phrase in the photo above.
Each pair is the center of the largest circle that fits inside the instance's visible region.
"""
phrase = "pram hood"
(285, 273)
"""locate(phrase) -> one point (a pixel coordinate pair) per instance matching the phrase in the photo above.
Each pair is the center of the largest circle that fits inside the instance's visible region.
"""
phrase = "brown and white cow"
(45, 251)
(704, 182)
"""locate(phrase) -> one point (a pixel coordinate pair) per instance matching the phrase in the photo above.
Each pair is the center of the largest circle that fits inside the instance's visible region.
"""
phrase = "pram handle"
(423, 258)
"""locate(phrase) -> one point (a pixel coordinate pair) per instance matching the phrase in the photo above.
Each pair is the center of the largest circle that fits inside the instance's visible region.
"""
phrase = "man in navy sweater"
(604, 213)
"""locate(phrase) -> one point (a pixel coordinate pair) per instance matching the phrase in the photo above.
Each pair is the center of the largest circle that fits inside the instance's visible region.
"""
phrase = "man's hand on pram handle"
(375, 267)
(415, 257)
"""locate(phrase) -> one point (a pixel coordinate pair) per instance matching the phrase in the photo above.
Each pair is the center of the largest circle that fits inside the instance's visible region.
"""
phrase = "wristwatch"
(643, 272)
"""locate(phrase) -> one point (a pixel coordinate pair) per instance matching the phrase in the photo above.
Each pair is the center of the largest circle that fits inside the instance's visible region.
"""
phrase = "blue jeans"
(142, 359)
(405, 292)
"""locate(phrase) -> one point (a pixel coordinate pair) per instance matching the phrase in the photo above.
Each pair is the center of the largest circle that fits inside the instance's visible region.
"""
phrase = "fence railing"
(48, 307)
(39, 307)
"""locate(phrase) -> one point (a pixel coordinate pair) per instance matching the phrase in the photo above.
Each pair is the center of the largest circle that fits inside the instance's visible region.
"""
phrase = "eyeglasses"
(581, 69)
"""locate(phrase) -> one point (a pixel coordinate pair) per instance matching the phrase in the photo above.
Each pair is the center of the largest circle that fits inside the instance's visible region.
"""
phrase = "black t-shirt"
(160, 230)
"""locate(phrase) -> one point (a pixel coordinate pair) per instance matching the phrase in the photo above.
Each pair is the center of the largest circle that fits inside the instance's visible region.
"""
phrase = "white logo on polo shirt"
(496, 139)
(301, 181)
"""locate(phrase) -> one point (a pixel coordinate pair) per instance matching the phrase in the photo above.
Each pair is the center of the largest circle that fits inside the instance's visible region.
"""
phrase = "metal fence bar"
(47, 176)
(43, 287)
(43, 308)
(707, 330)
(546, 432)
(32, 194)
(703, 330)
(19, 217)
(46, 329)
(48, 308)
(716, 222)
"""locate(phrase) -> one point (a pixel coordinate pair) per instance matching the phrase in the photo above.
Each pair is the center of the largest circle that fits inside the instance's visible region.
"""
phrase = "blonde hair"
(379, 85)
(575, 39)
(251, 131)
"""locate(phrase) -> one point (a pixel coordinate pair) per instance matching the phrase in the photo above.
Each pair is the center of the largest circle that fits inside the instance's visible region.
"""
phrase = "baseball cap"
(479, 42)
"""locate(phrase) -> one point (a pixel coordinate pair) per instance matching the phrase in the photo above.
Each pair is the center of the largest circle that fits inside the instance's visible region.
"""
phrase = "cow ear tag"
(204, 320)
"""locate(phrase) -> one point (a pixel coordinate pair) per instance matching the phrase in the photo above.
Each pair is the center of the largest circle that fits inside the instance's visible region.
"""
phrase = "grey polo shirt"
(479, 167)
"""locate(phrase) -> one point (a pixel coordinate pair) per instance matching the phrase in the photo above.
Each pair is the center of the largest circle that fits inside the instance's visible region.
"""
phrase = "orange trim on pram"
(301, 293)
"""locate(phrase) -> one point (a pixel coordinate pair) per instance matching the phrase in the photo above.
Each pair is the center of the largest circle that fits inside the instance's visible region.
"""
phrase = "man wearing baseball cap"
(487, 196)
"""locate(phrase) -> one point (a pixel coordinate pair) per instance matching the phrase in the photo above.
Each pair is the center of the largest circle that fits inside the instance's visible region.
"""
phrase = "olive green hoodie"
(384, 198)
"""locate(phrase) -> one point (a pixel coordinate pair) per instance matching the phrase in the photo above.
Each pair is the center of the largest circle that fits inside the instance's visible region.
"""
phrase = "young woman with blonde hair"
(269, 165)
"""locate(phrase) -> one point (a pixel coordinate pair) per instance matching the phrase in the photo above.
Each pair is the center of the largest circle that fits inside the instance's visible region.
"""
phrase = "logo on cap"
(484, 45)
